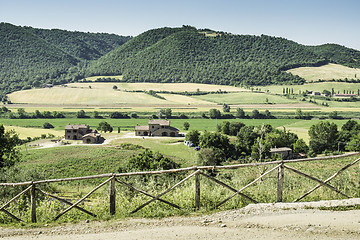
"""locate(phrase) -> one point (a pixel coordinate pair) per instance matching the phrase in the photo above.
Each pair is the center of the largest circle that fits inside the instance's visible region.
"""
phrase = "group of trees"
(250, 141)
(225, 59)
(325, 137)
(240, 113)
(22, 114)
(255, 142)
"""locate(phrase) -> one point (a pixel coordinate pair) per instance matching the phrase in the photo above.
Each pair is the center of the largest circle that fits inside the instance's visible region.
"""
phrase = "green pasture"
(318, 86)
(24, 126)
(326, 72)
(73, 161)
(106, 160)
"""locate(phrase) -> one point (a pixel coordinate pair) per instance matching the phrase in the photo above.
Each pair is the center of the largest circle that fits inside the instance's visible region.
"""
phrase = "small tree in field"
(186, 125)
(47, 125)
(104, 127)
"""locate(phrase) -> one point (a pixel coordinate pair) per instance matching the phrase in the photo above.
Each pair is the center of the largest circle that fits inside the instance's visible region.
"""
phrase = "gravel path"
(261, 221)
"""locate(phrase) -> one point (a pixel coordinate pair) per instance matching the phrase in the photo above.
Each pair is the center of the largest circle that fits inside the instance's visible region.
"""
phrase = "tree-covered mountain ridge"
(30, 57)
(188, 54)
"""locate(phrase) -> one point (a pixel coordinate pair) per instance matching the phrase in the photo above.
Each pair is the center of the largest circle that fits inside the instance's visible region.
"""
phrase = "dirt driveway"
(262, 221)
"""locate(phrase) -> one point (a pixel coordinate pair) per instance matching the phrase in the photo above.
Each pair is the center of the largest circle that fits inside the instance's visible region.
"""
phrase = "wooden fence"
(112, 179)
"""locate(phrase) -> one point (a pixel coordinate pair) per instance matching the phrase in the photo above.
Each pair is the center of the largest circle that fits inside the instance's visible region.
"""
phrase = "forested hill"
(338, 54)
(30, 57)
(88, 46)
(190, 55)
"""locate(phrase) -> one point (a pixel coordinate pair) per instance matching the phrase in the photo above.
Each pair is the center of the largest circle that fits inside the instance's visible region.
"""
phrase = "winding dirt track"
(262, 221)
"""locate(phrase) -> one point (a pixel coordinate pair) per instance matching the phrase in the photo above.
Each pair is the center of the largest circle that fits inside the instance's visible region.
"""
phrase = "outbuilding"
(284, 151)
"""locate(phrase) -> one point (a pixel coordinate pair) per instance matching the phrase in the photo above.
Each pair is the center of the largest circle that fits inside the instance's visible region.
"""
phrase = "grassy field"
(102, 97)
(80, 161)
(175, 87)
(25, 132)
(326, 72)
(246, 98)
(319, 86)
(199, 124)
(98, 94)
(32, 127)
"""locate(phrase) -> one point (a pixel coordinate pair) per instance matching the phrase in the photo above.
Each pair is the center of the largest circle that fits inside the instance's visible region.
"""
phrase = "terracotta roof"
(160, 122)
(93, 135)
(141, 128)
(174, 129)
(69, 126)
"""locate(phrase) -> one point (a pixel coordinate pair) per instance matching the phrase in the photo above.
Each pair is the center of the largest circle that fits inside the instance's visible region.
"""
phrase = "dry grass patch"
(326, 72)
(95, 95)
(33, 132)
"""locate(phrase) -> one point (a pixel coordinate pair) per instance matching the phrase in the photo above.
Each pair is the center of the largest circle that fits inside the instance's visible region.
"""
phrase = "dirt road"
(262, 221)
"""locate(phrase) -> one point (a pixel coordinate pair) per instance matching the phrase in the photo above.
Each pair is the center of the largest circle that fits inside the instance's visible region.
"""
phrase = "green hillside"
(31, 57)
(88, 46)
(338, 54)
(188, 55)
(26, 58)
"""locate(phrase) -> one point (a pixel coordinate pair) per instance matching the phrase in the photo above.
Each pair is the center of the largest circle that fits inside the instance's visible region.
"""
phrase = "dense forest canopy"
(190, 55)
(30, 57)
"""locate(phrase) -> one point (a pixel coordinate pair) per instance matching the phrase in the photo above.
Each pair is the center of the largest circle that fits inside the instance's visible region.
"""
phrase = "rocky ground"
(260, 221)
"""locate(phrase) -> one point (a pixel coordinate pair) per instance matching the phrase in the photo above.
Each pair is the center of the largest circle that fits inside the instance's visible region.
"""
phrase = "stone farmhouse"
(157, 128)
(82, 132)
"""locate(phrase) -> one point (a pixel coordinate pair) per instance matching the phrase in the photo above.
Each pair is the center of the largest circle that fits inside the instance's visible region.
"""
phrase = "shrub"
(47, 125)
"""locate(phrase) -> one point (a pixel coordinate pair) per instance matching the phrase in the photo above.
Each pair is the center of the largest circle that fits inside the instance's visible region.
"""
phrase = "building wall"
(75, 134)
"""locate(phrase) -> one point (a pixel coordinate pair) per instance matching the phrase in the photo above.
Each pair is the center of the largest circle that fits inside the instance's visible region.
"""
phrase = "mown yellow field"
(81, 96)
(120, 77)
(33, 132)
(176, 87)
(326, 72)
(104, 94)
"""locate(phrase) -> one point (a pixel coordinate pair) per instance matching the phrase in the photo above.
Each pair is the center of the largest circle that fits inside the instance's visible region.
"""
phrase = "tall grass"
(183, 196)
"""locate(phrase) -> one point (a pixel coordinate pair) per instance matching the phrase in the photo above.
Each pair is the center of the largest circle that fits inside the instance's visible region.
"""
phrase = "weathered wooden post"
(359, 180)
(112, 196)
(197, 191)
(33, 203)
(280, 183)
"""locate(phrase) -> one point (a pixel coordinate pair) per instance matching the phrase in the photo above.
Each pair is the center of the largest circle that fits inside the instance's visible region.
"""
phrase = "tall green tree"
(9, 154)
(323, 136)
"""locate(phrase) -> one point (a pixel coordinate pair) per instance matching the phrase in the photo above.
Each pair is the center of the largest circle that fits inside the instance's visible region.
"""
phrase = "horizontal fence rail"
(196, 172)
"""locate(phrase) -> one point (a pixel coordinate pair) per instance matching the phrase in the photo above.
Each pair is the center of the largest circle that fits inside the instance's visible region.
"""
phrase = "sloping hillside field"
(327, 72)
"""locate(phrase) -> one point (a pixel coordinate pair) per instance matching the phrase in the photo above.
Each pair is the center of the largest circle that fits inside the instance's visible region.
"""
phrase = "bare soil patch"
(260, 221)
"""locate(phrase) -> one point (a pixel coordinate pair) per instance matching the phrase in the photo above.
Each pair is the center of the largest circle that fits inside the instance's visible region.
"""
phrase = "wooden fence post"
(280, 183)
(33, 203)
(359, 180)
(197, 191)
(112, 196)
